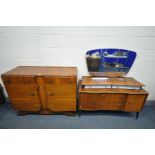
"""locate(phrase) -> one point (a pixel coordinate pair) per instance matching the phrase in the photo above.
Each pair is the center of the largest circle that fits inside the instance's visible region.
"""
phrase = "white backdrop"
(66, 46)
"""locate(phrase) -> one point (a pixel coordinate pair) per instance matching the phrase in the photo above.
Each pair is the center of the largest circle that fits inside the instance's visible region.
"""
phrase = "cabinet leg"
(70, 113)
(79, 112)
(21, 113)
(137, 115)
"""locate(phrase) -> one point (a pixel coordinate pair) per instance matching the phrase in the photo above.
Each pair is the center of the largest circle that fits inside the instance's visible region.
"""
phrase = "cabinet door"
(60, 105)
(26, 104)
(57, 91)
(61, 93)
(23, 93)
(88, 101)
(135, 103)
(59, 80)
(19, 79)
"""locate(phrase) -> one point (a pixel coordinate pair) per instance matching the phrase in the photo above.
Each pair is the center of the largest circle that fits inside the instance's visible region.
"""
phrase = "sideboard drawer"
(91, 101)
(50, 80)
(60, 91)
(62, 105)
(110, 102)
(26, 104)
(19, 80)
(22, 91)
(67, 80)
(60, 80)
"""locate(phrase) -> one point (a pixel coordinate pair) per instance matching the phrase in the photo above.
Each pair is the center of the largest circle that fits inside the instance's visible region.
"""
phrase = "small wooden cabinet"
(109, 98)
(42, 89)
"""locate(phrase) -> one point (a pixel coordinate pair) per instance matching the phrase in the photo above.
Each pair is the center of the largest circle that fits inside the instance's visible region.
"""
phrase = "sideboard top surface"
(110, 90)
(42, 70)
(124, 81)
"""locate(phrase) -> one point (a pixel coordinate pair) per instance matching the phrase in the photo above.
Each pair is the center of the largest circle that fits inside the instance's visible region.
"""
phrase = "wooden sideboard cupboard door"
(87, 101)
(23, 92)
(135, 103)
(61, 93)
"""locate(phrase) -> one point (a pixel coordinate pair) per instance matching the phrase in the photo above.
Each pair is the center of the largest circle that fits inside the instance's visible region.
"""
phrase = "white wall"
(66, 46)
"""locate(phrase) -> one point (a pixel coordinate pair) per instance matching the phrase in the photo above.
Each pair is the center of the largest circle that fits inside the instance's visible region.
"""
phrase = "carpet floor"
(88, 120)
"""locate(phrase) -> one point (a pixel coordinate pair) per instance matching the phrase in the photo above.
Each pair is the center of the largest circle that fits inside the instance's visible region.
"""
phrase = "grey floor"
(97, 120)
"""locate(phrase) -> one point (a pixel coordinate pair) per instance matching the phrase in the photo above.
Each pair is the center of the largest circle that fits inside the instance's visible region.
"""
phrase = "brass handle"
(101, 95)
(70, 82)
(50, 94)
(29, 81)
(50, 81)
(33, 93)
(119, 105)
(8, 81)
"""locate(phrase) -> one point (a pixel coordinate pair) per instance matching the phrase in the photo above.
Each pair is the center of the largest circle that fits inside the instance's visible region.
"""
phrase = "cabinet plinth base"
(108, 112)
(46, 112)
(22, 113)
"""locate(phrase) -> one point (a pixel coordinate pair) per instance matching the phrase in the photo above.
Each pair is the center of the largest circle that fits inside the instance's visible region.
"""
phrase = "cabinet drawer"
(22, 91)
(19, 80)
(65, 91)
(26, 104)
(67, 80)
(60, 80)
(135, 103)
(90, 101)
(62, 105)
(110, 102)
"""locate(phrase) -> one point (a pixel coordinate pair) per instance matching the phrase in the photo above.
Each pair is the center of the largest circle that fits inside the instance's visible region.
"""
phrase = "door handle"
(8, 81)
(33, 93)
(50, 94)
(50, 81)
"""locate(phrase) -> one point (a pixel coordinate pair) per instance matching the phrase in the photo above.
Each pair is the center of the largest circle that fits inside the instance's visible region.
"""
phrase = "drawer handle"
(33, 94)
(29, 81)
(8, 81)
(50, 81)
(70, 82)
(50, 94)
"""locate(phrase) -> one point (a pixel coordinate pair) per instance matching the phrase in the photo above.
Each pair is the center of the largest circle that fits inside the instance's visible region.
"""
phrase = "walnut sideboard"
(109, 98)
(43, 90)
